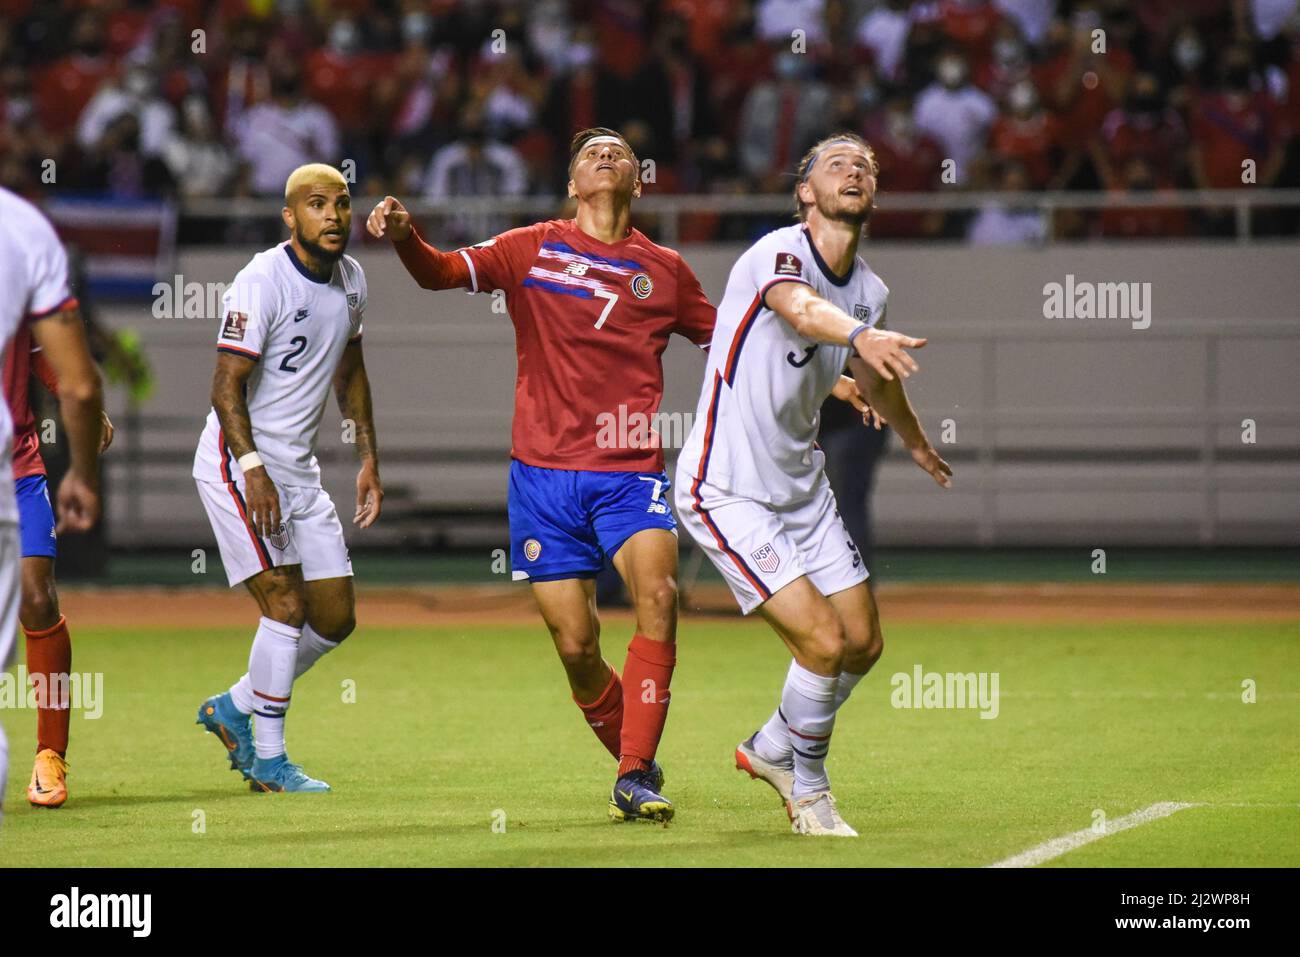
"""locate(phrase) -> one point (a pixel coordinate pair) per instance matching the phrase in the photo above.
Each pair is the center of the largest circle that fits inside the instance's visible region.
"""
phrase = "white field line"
(1062, 845)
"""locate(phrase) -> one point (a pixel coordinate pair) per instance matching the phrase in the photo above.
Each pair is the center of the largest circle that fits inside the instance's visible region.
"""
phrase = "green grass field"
(451, 726)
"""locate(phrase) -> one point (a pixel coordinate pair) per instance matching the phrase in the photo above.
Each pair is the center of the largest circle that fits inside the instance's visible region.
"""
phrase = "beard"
(842, 212)
(322, 254)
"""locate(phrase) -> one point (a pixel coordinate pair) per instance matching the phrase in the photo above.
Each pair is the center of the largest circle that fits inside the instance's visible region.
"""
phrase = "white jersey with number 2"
(756, 423)
(295, 327)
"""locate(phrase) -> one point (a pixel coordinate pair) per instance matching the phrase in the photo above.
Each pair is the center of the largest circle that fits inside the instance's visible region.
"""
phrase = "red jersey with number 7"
(592, 320)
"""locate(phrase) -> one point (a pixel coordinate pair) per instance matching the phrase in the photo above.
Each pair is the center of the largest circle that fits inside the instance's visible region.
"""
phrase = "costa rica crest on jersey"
(766, 559)
(532, 549)
(642, 285)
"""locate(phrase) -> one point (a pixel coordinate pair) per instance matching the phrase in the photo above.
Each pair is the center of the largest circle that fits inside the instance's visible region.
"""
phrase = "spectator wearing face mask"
(781, 119)
(1144, 128)
(1007, 64)
(277, 137)
(198, 161)
(1028, 134)
(473, 165)
(910, 162)
(955, 112)
(137, 94)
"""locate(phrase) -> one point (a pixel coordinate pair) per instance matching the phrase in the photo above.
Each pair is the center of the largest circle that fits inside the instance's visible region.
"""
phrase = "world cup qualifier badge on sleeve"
(235, 325)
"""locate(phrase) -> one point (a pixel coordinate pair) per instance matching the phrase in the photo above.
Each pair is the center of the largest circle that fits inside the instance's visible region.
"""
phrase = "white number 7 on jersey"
(604, 313)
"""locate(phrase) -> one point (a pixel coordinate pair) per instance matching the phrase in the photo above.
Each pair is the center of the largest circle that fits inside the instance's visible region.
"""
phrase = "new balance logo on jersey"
(766, 559)
(300, 315)
(576, 269)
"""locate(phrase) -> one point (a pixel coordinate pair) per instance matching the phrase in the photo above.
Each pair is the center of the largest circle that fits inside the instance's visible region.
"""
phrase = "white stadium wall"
(1068, 430)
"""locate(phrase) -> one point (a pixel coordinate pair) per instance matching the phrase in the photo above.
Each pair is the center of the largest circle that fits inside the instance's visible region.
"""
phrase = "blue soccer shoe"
(281, 774)
(233, 729)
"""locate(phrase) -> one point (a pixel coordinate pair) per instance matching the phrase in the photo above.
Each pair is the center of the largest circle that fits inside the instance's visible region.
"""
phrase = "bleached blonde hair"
(312, 174)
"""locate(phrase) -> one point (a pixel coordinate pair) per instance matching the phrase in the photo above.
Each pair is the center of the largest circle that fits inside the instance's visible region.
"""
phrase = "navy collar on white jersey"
(297, 264)
(829, 273)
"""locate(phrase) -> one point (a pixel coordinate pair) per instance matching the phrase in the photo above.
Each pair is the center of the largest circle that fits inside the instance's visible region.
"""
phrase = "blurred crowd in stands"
(195, 99)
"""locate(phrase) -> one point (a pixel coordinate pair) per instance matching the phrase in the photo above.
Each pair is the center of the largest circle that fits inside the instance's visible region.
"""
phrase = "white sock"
(808, 703)
(311, 646)
(773, 740)
(241, 693)
(844, 687)
(270, 672)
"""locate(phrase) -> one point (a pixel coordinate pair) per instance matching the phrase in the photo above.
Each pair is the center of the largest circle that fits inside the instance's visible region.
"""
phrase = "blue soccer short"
(35, 517)
(564, 523)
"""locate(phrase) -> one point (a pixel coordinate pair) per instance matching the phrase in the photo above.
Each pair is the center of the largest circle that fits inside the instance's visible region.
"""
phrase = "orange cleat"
(49, 787)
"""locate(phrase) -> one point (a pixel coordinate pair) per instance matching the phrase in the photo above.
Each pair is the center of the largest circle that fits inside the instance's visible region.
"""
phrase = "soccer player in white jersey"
(751, 488)
(35, 271)
(291, 327)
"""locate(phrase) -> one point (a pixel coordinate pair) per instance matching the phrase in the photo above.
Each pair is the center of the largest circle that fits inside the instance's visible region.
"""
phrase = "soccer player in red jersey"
(593, 302)
(49, 646)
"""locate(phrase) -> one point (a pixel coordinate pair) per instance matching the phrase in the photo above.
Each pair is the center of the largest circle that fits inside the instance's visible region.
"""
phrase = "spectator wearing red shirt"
(1141, 222)
(1080, 85)
(1232, 124)
(1144, 128)
(910, 162)
(1029, 134)
(65, 86)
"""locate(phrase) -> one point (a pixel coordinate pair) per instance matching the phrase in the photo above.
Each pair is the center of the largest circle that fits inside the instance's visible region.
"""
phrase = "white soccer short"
(312, 535)
(10, 595)
(761, 548)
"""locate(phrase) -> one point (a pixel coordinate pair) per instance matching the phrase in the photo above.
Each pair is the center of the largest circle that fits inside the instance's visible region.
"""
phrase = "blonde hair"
(810, 158)
(313, 174)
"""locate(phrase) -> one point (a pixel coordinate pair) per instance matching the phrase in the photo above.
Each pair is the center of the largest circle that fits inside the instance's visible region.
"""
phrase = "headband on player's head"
(604, 138)
(818, 155)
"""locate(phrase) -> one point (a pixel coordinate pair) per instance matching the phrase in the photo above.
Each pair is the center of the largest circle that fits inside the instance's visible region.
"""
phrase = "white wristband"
(249, 460)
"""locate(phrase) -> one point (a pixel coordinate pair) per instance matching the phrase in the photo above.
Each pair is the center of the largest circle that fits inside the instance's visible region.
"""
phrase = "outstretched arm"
(429, 267)
(352, 389)
(889, 398)
(816, 318)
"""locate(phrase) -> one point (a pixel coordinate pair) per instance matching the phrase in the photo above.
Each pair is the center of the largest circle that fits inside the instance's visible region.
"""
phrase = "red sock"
(605, 714)
(49, 653)
(647, 674)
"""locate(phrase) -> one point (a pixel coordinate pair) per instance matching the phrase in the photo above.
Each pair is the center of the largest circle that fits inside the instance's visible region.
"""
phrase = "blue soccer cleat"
(634, 799)
(656, 781)
(280, 774)
(233, 729)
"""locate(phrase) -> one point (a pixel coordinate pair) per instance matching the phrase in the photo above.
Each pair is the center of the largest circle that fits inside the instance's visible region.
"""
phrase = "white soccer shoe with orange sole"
(781, 779)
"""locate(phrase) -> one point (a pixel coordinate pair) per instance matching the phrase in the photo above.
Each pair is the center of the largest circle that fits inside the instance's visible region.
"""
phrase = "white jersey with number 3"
(295, 327)
(756, 423)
